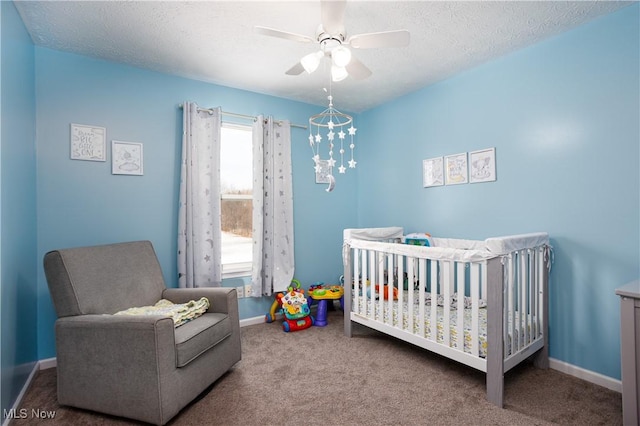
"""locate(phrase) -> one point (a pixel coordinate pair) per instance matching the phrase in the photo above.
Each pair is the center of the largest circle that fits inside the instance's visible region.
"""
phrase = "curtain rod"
(247, 117)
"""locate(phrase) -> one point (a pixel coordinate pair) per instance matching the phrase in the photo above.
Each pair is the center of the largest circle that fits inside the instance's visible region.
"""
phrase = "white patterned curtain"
(273, 261)
(199, 235)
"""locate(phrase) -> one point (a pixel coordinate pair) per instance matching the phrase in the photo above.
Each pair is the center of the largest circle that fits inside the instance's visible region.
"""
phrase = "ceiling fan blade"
(332, 15)
(398, 38)
(282, 34)
(357, 69)
(297, 69)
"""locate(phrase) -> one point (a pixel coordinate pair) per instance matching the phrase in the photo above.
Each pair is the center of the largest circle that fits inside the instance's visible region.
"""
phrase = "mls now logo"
(23, 413)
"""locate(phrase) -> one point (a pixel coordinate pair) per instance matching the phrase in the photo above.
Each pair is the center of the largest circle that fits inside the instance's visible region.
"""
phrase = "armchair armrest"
(109, 338)
(99, 356)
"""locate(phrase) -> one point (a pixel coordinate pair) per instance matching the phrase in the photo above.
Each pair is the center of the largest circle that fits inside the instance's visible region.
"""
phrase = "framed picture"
(432, 172)
(323, 170)
(456, 169)
(126, 158)
(88, 143)
(482, 165)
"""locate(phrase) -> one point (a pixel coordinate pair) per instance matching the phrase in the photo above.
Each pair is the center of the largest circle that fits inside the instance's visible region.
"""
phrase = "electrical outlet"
(247, 290)
(240, 291)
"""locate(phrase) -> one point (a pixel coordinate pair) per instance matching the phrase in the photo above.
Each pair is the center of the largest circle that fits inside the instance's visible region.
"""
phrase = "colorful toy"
(295, 308)
(385, 292)
(318, 291)
(418, 239)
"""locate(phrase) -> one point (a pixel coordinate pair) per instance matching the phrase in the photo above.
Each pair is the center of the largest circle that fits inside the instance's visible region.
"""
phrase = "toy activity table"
(322, 294)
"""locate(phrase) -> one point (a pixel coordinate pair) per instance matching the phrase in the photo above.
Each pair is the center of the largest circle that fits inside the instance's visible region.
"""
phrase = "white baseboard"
(252, 321)
(258, 320)
(587, 375)
(48, 363)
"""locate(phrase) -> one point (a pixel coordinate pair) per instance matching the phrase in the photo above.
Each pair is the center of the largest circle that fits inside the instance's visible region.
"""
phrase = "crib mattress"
(453, 322)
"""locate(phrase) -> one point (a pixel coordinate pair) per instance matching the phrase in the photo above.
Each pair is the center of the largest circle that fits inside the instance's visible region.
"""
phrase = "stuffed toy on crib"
(294, 307)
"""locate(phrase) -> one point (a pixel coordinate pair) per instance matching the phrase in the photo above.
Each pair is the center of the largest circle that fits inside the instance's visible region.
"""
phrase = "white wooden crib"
(503, 280)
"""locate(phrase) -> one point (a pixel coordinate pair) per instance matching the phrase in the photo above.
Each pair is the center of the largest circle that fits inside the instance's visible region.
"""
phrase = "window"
(236, 193)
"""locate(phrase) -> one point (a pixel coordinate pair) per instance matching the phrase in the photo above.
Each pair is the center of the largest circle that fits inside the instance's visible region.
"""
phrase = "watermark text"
(24, 413)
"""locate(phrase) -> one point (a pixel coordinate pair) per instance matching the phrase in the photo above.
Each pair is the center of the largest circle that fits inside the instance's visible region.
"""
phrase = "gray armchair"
(139, 367)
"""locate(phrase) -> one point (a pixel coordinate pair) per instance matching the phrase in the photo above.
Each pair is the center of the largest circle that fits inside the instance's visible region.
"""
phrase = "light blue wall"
(563, 116)
(18, 202)
(82, 203)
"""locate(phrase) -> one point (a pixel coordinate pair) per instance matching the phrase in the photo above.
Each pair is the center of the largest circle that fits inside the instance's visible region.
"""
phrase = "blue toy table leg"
(321, 318)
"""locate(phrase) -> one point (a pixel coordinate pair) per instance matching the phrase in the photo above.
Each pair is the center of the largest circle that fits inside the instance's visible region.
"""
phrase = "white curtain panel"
(273, 257)
(199, 235)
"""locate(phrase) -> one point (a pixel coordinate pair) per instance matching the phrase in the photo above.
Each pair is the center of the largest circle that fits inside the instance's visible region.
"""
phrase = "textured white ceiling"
(213, 41)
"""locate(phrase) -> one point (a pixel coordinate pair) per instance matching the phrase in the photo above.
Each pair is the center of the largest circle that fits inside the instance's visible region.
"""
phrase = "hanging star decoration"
(336, 124)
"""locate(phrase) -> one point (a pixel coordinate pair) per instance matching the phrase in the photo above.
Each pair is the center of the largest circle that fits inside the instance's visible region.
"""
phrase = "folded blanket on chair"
(180, 312)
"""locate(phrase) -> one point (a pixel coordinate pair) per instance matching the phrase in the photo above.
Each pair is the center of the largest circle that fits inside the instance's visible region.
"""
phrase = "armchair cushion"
(200, 335)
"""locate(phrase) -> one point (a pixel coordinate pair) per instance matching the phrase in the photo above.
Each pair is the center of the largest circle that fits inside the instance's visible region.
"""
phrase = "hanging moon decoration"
(332, 183)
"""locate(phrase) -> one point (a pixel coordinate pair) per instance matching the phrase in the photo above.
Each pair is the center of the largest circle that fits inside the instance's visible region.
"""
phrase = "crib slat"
(530, 296)
(513, 301)
(360, 275)
(394, 282)
(348, 288)
(528, 283)
(422, 279)
(390, 286)
(475, 305)
(505, 308)
(446, 308)
(353, 281)
(460, 306)
(532, 272)
(366, 285)
(534, 295)
(411, 274)
(539, 291)
(483, 289)
(372, 283)
(376, 282)
(541, 360)
(379, 282)
(517, 276)
(434, 300)
(522, 283)
(400, 265)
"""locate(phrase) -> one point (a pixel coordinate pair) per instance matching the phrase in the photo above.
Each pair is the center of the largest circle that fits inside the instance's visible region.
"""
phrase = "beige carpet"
(319, 377)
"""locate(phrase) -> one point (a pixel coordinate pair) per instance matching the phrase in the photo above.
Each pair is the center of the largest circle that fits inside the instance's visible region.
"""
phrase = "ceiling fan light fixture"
(338, 73)
(341, 56)
(311, 61)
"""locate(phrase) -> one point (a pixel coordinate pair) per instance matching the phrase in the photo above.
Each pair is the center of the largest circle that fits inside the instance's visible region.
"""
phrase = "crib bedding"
(453, 321)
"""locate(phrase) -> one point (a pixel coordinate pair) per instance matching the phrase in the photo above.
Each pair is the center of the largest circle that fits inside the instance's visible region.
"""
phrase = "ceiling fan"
(334, 43)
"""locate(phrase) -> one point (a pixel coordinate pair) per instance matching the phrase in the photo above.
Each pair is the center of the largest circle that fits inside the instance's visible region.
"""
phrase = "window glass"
(236, 178)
